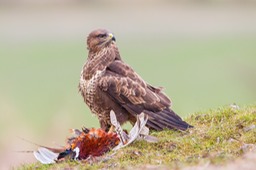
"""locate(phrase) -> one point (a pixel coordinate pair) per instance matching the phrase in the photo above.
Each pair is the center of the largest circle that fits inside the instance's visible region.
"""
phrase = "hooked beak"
(111, 36)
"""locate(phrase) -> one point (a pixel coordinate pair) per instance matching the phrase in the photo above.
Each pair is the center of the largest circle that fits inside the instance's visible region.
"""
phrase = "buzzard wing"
(126, 88)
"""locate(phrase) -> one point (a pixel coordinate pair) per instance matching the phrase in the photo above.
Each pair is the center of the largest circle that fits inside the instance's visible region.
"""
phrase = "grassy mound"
(219, 136)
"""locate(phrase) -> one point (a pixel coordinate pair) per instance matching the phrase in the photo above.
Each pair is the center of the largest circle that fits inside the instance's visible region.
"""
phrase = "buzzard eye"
(101, 35)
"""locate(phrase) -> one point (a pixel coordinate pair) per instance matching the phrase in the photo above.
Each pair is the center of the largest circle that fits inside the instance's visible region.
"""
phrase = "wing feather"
(128, 88)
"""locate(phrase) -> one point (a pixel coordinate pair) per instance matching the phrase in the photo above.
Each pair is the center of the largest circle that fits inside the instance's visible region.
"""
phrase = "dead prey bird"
(93, 143)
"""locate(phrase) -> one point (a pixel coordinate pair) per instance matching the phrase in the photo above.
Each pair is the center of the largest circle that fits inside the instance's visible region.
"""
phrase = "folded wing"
(131, 92)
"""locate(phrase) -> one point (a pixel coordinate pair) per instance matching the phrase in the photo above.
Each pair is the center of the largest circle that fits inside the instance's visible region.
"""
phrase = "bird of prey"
(108, 83)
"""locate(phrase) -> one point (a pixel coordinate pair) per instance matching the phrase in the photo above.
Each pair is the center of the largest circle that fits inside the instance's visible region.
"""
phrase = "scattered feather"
(90, 144)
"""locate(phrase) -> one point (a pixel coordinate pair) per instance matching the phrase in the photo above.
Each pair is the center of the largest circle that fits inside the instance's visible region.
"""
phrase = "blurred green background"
(202, 52)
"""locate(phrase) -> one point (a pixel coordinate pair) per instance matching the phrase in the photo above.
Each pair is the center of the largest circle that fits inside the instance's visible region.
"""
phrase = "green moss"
(217, 137)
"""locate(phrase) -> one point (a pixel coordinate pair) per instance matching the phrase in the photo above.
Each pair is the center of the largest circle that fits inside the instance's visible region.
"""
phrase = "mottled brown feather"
(107, 83)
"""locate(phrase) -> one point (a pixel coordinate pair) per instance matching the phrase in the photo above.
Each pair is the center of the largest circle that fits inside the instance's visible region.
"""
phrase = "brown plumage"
(107, 83)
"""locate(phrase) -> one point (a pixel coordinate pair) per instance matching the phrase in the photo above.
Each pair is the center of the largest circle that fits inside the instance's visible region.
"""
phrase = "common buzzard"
(107, 83)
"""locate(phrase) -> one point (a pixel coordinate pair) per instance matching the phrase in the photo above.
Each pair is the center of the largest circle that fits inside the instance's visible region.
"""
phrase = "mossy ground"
(218, 136)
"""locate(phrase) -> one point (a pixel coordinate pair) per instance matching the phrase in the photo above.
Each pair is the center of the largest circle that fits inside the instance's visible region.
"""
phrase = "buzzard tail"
(166, 119)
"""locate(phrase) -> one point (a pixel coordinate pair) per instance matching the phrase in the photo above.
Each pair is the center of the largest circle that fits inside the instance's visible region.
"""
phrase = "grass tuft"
(218, 136)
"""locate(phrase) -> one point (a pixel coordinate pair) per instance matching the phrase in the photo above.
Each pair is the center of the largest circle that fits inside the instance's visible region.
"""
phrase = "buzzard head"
(99, 39)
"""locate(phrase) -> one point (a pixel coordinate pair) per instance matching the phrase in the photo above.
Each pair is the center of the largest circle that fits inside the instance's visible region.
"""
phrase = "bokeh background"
(202, 52)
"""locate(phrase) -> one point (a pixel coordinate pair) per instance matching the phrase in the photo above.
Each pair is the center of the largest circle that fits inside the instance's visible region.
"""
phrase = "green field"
(203, 55)
(39, 80)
